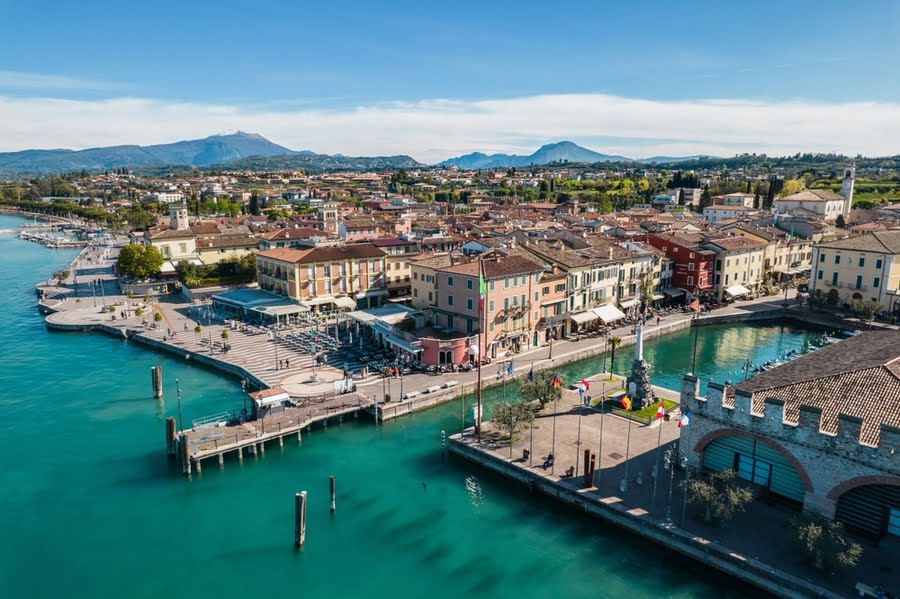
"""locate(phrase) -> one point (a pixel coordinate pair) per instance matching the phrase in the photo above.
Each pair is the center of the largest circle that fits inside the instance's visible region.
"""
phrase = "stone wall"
(828, 463)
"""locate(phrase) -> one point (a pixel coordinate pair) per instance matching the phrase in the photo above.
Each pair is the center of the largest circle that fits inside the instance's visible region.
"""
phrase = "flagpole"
(656, 468)
(481, 338)
(553, 442)
(687, 474)
(600, 449)
(578, 438)
(624, 486)
(531, 440)
(696, 333)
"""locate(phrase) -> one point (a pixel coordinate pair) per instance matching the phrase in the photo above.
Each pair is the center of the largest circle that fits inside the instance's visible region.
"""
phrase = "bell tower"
(178, 217)
(847, 188)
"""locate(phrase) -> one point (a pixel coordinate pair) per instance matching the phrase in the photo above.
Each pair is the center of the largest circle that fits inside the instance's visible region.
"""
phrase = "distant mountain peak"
(560, 151)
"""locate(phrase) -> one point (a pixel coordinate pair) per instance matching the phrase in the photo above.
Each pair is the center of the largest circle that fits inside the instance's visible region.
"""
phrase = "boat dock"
(215, 436)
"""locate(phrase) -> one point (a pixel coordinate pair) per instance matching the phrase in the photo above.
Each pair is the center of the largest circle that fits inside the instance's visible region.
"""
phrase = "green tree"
(139, 261)
(865, 309)
(720, 495)
(511, 416)
(61, 276)
(157, 317)
(840, 222)
(542, 389)
(825, 542)
(614, 342)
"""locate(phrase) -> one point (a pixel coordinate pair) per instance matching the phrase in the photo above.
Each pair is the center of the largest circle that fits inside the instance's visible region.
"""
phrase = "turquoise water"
(91, 507)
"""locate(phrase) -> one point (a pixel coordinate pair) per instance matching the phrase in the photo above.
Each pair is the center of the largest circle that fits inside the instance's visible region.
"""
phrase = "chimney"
(610, 253)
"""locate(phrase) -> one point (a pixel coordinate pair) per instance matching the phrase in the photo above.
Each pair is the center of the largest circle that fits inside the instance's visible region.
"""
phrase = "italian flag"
(660, 411)
(482, 290)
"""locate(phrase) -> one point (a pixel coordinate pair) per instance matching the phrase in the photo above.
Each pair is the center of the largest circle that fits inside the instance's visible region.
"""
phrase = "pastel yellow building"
(860, 267)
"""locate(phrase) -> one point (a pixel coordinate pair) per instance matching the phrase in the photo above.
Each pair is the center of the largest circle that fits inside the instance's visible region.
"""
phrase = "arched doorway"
(757, 463)
(535, 342)
(871, 510)
(857, 296)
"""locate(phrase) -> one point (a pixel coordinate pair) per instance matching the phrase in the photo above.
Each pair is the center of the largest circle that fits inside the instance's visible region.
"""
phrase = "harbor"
(398, 461)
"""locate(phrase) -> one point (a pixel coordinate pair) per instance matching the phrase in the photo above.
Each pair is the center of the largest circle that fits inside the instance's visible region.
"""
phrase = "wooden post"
(590, 475)
(587, 467)
(199, 467)
(156, 377)
(171, 437)
(240, 452)
(262, 448)
(221, 460)
(185, 444)
(299, 519)
(331, 483)
(299, 437)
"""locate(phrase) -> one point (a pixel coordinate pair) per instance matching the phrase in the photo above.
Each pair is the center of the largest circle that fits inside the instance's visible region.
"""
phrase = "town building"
(738, 265)
(720, 212)
(328, 277)
(860, 267)
(694, 265)
(819, 433)
(511, 305)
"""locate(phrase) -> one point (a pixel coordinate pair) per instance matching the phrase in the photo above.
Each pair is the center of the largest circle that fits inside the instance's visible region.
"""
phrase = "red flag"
(661, 411)
(556, 384)
(695, 306)
(585, 384)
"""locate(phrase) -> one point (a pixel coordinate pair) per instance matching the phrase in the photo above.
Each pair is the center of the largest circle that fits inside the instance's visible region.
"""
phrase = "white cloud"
(31, 81)
(436, 129)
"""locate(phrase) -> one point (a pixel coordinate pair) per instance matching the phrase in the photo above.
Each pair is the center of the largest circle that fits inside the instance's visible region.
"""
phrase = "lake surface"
(92, 508)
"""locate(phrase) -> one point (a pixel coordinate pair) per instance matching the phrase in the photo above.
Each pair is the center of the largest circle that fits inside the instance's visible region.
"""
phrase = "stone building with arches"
(820, 433)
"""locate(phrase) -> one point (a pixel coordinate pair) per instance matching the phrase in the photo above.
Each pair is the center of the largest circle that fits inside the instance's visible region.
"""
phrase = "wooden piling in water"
(240, 452)
(221, 460)
(299, 437)
(590, 475)
(299, 519)
(156, 378)
(184, 443)
(199, 466)
(331, 484)
(171, 438)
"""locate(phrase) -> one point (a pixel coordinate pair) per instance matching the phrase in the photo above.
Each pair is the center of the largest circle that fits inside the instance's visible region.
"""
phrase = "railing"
(213, 419)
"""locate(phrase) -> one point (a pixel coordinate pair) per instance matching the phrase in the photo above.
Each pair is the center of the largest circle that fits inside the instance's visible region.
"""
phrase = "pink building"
(511, 310)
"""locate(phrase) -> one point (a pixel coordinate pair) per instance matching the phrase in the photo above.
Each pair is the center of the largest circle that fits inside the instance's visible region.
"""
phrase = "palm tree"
(614, 342)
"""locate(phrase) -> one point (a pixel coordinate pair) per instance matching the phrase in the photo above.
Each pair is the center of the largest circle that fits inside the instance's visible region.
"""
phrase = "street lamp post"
(180, 413)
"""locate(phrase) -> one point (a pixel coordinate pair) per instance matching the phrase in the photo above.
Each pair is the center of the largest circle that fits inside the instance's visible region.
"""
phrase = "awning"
(608, 313)
(629, 303)
(345, 302)
(316, 301)
(372, 293)
(657, 297)
(737, 290)
(402, 344)
(674, 292)
(583, 317)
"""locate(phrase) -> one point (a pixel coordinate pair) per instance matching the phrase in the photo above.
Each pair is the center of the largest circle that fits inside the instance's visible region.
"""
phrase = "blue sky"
(413, 77)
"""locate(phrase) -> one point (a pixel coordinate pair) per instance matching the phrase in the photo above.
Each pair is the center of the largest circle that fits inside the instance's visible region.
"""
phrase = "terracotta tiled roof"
(283, 254)
(814, 195)
(857, 377)
(878, 241)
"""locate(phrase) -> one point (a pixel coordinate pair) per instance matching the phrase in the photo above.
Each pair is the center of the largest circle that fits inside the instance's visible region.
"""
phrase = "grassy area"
(645, 414)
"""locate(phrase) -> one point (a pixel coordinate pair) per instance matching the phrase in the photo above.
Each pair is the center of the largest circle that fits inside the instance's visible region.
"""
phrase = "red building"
(694, 266)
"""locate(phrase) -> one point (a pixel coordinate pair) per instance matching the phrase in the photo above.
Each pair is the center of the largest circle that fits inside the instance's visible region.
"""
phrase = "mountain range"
(250, 151)
(561, 151)
(237, 150)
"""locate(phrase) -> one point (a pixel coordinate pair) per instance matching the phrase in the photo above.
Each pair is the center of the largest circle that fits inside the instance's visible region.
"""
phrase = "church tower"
(178, 217)
(847, 187)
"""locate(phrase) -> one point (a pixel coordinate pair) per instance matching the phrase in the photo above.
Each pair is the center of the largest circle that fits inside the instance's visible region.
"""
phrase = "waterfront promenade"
(755, 546)
(266, 363)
